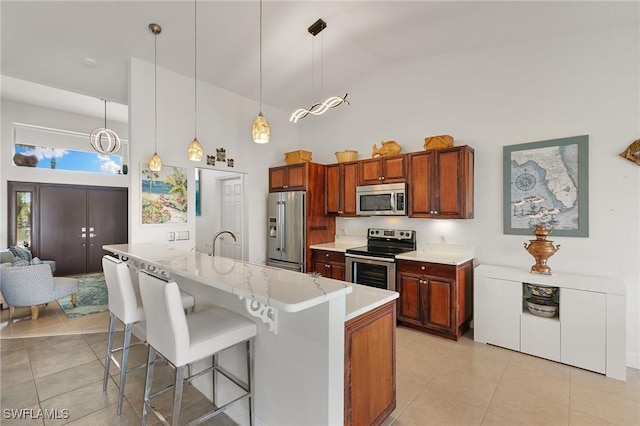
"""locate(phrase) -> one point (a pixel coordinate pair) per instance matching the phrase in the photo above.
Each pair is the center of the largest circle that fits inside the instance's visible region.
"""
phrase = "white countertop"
(447, 254)
(436, 257)
(606, 285)
(337, 246)
(281, 289)
(364, 298)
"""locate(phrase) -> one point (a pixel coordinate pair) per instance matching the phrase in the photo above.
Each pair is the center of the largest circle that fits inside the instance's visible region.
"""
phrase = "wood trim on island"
(370, 366)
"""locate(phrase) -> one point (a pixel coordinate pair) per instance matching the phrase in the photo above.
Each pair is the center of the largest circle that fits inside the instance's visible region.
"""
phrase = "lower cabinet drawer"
(540, 336)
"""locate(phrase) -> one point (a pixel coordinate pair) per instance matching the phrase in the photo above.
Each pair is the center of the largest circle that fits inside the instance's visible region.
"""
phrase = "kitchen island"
(300, 346)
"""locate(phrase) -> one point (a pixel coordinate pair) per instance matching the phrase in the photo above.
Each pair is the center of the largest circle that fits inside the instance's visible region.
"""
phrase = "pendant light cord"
(260, 56)
(105, 113)
(155, 91)
(195, 69)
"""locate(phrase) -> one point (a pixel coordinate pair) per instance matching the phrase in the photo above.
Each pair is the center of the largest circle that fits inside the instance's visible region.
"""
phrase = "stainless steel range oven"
(375, 264)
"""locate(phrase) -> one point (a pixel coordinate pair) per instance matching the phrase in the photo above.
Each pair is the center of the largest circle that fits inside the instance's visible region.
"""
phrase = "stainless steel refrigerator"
(286, 215)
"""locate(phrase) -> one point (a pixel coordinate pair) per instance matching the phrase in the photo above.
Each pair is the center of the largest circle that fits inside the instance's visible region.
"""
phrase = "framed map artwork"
(546, 183)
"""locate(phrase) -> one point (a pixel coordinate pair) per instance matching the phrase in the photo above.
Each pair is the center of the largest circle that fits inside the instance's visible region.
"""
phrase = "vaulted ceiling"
(47, 42)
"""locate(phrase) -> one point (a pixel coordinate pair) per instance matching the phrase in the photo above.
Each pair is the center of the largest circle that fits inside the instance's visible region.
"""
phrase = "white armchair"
(34, 285)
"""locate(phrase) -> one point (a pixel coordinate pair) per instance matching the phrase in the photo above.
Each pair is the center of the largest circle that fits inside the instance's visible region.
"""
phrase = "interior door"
(108, 214)
(63, 227)
(231, 217)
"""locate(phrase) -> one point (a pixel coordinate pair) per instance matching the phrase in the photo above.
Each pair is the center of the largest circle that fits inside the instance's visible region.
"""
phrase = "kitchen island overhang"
(299, 353)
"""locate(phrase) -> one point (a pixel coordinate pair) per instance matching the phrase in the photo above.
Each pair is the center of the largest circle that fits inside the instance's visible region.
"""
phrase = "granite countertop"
(447, 254)
(432, 256)
(337, 246)
(285, 290)
(364, 298)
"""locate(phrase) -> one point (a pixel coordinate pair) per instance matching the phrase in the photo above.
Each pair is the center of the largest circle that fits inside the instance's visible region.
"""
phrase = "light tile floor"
(439, 382)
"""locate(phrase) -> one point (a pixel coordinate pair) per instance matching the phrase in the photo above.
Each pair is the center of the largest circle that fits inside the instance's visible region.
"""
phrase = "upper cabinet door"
(394, 168)
(349, 183)
(369, 172)
(297, 177)
(332, 189)
(391, 169)
(441, 183)
(277, 178)
(421, 196)
(288, 178)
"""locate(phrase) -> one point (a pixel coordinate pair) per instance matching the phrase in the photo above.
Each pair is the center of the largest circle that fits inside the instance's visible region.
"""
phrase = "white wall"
(15, 112)
(584, 84)
(224, 121)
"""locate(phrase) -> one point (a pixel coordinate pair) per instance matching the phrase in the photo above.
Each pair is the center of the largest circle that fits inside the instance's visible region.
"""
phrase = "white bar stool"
(126, 305)
(183, 339)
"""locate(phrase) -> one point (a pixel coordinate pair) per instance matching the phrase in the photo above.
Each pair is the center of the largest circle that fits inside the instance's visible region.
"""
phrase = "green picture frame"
(547, 182)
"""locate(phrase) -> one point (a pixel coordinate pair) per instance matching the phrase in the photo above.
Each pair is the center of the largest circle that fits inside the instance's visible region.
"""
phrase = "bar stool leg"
(107, 363)
(250, 379)
(147, 383)
(214, 378)
(177, 394)
(123, 364)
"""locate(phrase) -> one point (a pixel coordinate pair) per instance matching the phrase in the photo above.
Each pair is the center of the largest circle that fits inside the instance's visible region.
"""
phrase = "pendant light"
(318, 108)
(101, 136)
(194, 152)
(155, 163)
(260, 130)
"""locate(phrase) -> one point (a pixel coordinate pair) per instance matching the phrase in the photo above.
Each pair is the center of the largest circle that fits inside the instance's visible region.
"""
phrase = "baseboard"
(633, 360)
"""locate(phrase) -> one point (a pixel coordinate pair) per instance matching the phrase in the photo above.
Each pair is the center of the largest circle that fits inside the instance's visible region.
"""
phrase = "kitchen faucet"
(215, 237)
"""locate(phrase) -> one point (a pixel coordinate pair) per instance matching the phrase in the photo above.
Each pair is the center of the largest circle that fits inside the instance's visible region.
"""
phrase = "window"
(47, 148)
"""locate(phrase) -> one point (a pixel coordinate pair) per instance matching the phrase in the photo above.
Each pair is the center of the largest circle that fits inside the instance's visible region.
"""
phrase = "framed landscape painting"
(546, 183)
(164, 195)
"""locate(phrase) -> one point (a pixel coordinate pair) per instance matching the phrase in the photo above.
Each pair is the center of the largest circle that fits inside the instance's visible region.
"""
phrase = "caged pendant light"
(155, 163)
(194, 152)
(104, 140)
(260, 130)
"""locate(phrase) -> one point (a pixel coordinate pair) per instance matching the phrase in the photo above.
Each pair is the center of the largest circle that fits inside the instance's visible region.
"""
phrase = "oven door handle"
(378, 259)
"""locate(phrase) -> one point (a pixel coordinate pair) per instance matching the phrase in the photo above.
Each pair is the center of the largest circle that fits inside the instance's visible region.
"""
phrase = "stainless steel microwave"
(382, 200)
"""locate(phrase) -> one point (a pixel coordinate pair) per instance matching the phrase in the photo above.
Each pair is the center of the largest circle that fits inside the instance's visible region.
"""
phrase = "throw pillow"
(19, 262)
(21, 253)
(36, 261)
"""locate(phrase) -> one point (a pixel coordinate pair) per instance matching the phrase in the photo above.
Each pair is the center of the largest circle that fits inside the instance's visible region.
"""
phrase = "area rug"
(92, 296)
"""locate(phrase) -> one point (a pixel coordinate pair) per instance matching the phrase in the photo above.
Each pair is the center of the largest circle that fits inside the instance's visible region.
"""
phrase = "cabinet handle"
(423, 267)
(326, 254)
(382, 178)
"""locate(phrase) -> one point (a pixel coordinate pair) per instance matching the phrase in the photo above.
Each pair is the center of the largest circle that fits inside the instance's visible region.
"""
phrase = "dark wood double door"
(71, 223)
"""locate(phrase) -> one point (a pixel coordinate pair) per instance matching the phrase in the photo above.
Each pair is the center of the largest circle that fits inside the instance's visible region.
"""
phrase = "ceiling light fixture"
(155, 163)
(101, 136)
(260, 130)
(194, 152)
(318, 108)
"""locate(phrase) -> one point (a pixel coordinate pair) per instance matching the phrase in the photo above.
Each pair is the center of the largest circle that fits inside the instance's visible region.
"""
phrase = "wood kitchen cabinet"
(435, 298)
(389, 169)
(441, 183)
(329, 264)
(289, 178)
(370, 366)
(340, 189)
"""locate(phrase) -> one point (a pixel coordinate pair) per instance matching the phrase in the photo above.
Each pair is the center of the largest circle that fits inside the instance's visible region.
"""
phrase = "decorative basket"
(542, 291)
(542, 308)
(295, 157)
(346, 155)
(440, 141)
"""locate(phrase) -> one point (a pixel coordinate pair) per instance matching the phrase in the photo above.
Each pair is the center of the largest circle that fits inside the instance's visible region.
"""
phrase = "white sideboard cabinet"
(588, 331)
